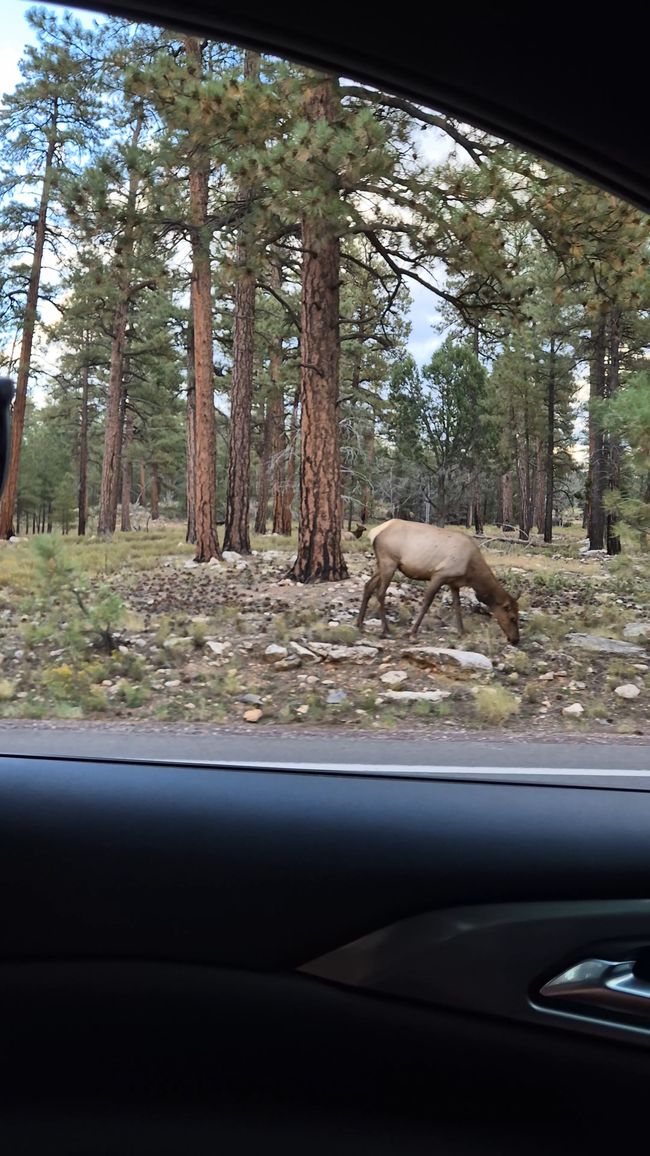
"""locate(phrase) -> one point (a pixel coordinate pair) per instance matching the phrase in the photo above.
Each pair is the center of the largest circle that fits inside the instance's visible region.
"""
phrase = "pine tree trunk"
(262, 511)
(279, 458)
(205, 478)
(236, 533)
(127, 473)
(506, 499)
(8, 500)
(320, 557)
(190, 438)
(477, 504)
(540, 486)
(155, 493)
(83, 456)
(111, 473)
(550, 447)
(113, 429)
(365, 512)
(142, 495)
(596, 520)
(49, 517)
(613, 538)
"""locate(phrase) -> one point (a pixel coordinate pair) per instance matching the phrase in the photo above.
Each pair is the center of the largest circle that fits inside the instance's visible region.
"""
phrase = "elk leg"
(431, 591)
(384, 583)
(455, 598)
(368, 591)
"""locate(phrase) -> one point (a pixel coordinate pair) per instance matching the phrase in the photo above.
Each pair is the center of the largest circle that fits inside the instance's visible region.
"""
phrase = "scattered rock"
(173, 682)
(603, 645)
(303, 652)
(216, 647)
(416, 695)
(576, 708)
(627, 690)
(191, 564)
(253, 716)
(214, 562)
(637, 630)
(13, 540)
(334, 697)
(331, 652)
(273, 652)
(231, 556)
(434, 655)
(292, 662)
(251, 699)
(548, 677)
(394, 677)
(303, 708)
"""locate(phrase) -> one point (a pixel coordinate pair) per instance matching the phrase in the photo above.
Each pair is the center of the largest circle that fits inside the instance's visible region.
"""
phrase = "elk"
(441, 558)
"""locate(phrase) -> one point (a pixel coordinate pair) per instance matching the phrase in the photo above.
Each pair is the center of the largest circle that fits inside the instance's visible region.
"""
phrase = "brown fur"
(440, 558)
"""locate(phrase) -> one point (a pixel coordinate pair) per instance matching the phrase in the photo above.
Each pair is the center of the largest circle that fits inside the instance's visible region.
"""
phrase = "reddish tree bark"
(205, 470)
(127, 472)
(190, 438)
(155, 492)
(236, 534)
(8, 500)
(320, 557)
(82, 498)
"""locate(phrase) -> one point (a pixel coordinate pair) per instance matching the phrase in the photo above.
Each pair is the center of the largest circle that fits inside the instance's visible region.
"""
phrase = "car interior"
(235, 958)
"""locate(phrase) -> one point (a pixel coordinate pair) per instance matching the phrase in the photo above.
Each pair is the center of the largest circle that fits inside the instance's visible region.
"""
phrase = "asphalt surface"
(224, 745)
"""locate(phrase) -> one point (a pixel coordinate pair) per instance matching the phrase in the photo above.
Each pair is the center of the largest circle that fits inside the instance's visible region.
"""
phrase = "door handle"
(601, 983)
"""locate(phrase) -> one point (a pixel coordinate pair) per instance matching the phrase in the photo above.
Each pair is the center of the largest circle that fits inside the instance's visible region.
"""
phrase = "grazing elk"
(441, 558)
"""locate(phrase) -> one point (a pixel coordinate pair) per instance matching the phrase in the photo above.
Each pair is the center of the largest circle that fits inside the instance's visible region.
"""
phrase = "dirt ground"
(238, 644)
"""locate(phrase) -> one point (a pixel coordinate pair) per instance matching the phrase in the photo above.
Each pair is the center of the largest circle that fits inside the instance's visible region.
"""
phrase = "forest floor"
(240, 644)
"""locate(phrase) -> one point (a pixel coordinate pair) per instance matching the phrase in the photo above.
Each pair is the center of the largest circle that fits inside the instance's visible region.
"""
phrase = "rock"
(575, 709)
(251, 699)
(637, 630)
(191, 671)
(303, 652)
(18, 654)
(603, 645)
(290, 663)
(434, 655)
(231, 556)
(273, 652)
(548, 677)
(191, 564)
(627, 690)
(172, 683)
(334, 697)
(13, 540)
(253, 716)
(303, 708)
(416, 695)
(585, 551)
(216, 647)
(394, 677)
(331, 652)
(123, 649)
(215, 563)
(333, 622)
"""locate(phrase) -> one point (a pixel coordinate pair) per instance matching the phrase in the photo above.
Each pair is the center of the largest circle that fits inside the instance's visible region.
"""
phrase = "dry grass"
(495, 704)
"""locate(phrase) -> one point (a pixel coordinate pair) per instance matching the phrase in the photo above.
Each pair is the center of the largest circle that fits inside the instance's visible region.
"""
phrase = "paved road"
(221, 745)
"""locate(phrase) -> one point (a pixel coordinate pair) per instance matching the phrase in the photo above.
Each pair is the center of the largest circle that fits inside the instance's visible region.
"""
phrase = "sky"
(432, 144)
